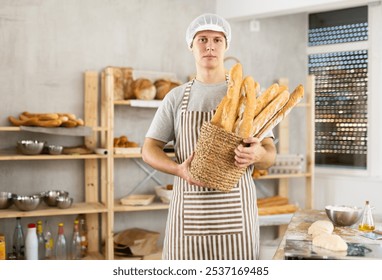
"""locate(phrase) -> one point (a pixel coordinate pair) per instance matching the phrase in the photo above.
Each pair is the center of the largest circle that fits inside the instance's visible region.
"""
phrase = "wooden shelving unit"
(96, 179)
(107, 120)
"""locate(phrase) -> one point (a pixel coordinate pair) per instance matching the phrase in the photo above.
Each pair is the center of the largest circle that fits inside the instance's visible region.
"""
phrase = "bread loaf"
(269, 111)
(279, 209)
(249, 91)
(163, 86)
(143, 89)
(35, 122)
(294, 98)
(272, 201)
(46, 120)
(266, 97)
(228, 117)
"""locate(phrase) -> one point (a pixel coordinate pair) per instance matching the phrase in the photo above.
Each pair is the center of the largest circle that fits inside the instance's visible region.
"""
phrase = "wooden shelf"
(283, 176)
(42, 210)
(137, 155)
(118, 207)
(17, 129)
(48, 157)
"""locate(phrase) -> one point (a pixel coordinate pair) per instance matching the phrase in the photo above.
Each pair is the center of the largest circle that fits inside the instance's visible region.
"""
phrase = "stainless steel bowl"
(27, 202)
(343, 215)
(64, 202)
(30, 147)
(55, 149)
(6, 199)
(50, 197)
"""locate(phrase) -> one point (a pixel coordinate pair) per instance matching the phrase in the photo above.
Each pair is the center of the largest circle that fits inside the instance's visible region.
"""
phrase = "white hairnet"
(208, 22)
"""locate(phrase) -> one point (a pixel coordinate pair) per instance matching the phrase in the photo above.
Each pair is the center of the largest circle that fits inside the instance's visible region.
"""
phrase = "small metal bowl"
(27, 202)
(55, 149)
(343, 215)
(30, 147)
(50, 197)
(6, 199)
(64, 202)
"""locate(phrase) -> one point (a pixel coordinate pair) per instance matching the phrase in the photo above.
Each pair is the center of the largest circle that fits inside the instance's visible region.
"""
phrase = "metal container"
(343, 215)
(27, 202)
(30, 147)
(64, 202)
(6, 199)
(50, 197)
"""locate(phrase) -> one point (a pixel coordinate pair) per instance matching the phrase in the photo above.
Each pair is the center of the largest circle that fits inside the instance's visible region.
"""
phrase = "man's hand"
(250, 152)
(184, 172)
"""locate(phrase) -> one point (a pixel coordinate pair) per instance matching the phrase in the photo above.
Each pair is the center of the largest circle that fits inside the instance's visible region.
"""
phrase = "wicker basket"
(214, 159)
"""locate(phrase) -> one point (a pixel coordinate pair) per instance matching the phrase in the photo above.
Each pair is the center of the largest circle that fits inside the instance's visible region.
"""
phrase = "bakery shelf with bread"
(142, 92)
(131, 84)
(89, 193)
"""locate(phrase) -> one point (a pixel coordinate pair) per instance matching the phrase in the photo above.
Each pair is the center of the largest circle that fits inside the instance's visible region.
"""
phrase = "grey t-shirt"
(203, 97)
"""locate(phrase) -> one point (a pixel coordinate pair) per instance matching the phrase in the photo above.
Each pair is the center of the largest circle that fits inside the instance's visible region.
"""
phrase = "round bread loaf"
(143, 89)
(163, 86)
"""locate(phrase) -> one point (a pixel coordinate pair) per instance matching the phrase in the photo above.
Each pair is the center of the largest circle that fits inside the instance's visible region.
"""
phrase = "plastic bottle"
(75, 245)
(41, 241)
(48, 237)
(3, 252)
(61, 248)
(367, 223)
(31, 243)
(84, 238)
(18, 243)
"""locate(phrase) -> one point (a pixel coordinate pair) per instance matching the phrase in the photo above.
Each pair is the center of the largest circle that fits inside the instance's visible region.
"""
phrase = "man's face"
(208, 48)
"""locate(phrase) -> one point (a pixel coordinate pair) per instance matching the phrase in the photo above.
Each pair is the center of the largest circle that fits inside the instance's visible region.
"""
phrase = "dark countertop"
(301, 221)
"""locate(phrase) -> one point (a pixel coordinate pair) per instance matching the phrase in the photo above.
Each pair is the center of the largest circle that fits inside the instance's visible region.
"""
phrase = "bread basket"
(214, 158)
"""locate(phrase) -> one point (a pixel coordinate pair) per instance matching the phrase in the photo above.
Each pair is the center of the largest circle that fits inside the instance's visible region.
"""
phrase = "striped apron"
(203, 223)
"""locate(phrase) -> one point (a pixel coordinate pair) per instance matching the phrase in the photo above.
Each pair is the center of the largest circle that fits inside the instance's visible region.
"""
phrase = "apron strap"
(186, 96)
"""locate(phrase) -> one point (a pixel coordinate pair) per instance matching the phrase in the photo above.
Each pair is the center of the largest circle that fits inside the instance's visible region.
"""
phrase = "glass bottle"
(31, 243)
(367, 223)
(18, 245)
(75, 246)
(60, 248)
(84, 238)
(48, 237)
(41, 241)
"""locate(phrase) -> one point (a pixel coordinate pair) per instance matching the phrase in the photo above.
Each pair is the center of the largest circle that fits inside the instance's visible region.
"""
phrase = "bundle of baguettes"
(244, 113)
(240, 114)
(46, 120)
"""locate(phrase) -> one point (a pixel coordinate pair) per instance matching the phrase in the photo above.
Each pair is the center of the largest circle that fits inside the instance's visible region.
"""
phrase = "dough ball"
(319, 227)
(330, 241)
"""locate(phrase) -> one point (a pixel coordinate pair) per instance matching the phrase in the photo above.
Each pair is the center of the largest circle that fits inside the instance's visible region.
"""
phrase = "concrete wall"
(47, 45)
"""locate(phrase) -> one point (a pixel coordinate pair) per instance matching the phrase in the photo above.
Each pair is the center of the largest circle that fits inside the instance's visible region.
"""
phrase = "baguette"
(40, 116)
(272, 201)
(294, 98)
(249, 92)
(228, 117)
(266, 97)
(216, 119)
(35, 122)
(69, 123)
(269, 111)
(26, 122)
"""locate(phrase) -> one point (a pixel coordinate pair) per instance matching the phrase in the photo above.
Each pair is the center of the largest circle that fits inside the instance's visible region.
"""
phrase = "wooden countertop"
(301, 221)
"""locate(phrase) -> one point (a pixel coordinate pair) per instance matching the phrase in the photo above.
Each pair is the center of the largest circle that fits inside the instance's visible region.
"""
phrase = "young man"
(204, 223)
